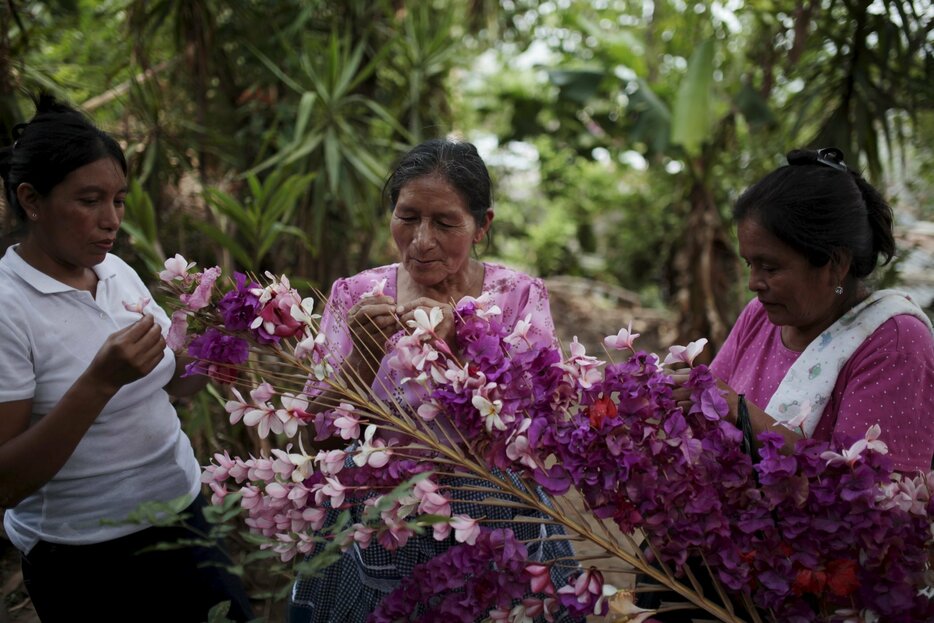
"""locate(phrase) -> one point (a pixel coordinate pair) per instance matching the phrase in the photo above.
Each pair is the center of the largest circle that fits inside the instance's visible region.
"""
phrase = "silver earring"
(838, 290)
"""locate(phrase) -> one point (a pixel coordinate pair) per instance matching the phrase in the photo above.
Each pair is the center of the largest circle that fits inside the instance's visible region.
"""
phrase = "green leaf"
(577, 85)
(226, 242)
(690, 122)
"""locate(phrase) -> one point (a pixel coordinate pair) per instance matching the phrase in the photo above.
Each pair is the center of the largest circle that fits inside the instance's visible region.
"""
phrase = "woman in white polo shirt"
(87, 431)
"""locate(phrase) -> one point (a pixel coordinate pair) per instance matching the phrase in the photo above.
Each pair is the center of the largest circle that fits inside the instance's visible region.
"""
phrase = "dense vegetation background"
(620, 131)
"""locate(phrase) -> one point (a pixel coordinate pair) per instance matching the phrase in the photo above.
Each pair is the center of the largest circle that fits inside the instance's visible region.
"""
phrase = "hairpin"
(832, 157)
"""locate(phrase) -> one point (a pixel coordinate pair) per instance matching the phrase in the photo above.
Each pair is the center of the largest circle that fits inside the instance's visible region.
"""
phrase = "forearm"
(182, 386)
(32, 458)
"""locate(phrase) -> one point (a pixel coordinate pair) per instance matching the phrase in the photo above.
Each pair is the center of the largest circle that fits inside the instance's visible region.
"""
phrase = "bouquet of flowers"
(827, 533)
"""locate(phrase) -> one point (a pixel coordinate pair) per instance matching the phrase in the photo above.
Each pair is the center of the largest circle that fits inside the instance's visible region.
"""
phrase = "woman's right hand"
(128, 354)
(372, 321)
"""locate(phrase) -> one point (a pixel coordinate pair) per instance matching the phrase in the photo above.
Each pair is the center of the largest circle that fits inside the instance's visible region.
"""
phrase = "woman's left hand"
(444, 329)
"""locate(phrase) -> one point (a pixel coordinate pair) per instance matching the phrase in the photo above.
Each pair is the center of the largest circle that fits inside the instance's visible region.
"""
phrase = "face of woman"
(795, 294)
(434, 231)
(76, 223)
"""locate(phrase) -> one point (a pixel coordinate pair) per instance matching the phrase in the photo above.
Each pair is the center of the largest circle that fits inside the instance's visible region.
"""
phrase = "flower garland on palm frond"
(827, 533)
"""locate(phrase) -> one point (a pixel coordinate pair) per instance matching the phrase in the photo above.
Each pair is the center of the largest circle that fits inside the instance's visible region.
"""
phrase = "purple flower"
(217, 355)
(239, 307)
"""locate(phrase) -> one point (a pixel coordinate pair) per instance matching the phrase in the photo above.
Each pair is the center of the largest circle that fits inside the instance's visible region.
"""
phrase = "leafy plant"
(250, 229)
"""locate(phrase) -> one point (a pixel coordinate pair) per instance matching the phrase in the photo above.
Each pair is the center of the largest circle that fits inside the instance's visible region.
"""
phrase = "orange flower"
(841, 577)
(601, 409)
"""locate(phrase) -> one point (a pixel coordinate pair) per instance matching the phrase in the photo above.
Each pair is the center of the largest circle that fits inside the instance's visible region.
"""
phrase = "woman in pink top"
(441, 199)
(816, 349)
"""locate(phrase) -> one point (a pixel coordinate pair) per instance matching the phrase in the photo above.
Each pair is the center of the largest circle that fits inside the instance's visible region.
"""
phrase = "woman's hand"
(371, 322)
(128, 354)
(444, 330)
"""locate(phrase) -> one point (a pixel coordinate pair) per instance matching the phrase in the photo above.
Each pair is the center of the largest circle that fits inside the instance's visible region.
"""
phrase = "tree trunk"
(704, 272)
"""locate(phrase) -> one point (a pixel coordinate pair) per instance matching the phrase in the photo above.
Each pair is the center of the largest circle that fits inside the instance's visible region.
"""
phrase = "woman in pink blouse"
(441, 198)
(817, 349)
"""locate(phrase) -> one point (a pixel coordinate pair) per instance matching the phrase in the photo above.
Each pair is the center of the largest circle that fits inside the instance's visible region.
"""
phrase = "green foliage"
(139, 222)
(691, 120)
(251, 228)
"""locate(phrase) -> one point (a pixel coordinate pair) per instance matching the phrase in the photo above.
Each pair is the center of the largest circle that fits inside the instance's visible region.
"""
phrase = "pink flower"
(331, 489)
(519, 449)
(292, 413)
(396, 536)
(428, 411)
(853, 453)
(362, 535)
(430, 500)
(347, 422)
(262, 393)
(871, 441)
(139, 306)
(520, 333)
(276, 319)
(685, 354)
(314, 517)
(303, 463)
(541, 578)
(466, 529)
(176, 268)
(331, 461)
(587, 588)
(622, 340)
(797, 422)
(202, 294)
(177, 330)
(265, 420)
(372, 453)
(581, 367)
(218, 493)
(379, 285)
(236, 408)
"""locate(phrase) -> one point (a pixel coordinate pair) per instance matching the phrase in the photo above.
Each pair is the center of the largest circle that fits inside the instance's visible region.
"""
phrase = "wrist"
(96, 386)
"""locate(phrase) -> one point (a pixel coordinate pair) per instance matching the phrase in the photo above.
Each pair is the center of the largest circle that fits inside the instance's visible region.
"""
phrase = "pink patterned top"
(889, 381)
(516, 294)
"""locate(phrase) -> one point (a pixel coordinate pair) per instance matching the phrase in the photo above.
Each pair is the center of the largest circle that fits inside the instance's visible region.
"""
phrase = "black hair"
(820, 207)
(55, 142)
(457, 162)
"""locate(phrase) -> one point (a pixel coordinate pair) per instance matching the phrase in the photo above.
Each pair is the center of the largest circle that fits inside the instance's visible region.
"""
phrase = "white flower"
(426, 322)
(520, 333)
(489, 411)
(621, 340)
(176, 268)
(372, 453)
(304, 311)
(685, 354)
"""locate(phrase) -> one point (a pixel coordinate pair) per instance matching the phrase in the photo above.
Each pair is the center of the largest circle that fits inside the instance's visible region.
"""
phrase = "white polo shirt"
(135, 451)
